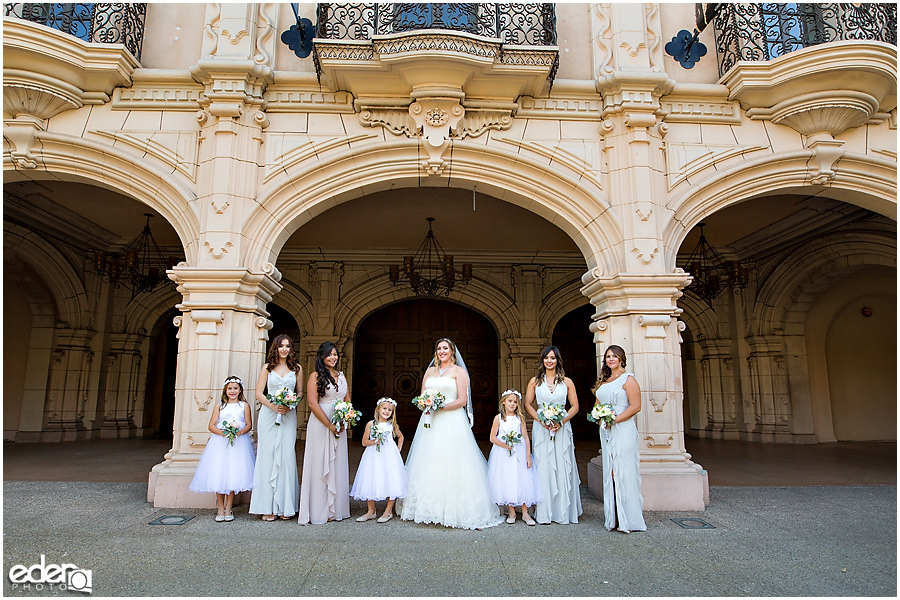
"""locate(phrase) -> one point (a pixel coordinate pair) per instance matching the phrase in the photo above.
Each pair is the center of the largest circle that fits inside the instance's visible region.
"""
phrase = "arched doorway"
(576, 345)
(395, 344)
(160, 413)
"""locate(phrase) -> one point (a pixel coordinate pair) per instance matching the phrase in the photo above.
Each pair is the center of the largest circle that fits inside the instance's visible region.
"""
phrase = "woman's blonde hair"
(518, 396)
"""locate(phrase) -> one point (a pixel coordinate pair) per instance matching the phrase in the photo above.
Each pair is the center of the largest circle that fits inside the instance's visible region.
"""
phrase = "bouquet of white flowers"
(552, 414)
(344, 416)
(284, 397)
(602, 414)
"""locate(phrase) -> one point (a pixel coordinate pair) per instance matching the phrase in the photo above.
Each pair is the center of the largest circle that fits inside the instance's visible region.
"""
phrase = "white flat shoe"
(383, 519)
(228, 517)
(511, 519)
(365, 517)
(220, 518)
(528, 520)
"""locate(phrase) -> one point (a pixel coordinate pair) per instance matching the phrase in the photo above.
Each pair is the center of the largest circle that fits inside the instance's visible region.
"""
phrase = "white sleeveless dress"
(446, 470)
(381, 473)
(512, 482)
(555, 463)
(225, 468)
(622, 499)
(276, 488)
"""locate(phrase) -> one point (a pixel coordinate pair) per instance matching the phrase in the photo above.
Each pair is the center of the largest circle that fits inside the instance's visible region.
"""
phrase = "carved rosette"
(436, 118)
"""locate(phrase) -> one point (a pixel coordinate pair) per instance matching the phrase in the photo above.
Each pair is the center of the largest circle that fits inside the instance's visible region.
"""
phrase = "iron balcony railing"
(103, 23)
(759, 32)
(514, 24)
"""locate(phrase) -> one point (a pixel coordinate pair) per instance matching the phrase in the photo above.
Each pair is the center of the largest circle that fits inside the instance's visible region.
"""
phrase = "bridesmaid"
(275, 485)
(554, 458)
(622, 500)
(325, 493)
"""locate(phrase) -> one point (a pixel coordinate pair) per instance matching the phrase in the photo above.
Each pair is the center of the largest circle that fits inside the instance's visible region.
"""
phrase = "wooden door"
(395, 345)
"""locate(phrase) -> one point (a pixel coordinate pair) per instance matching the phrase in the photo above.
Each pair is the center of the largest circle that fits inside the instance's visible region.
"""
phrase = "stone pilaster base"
(663, 488)
(169, 484)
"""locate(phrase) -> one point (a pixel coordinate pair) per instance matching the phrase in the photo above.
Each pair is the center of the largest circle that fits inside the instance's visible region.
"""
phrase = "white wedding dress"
(447, 471)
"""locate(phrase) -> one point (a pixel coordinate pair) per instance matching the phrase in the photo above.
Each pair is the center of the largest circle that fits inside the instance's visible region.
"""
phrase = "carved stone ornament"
(436, 118)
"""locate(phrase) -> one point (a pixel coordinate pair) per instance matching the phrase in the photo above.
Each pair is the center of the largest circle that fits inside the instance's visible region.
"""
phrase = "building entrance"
(395, 344)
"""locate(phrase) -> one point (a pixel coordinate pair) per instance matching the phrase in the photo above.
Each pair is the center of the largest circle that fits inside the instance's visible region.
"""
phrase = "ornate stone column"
(524, 348)
(638, 312)
(325, 278)
(125, 367)
(636, 307)
(235, 67)
(70, 372)
(222, 331)
(718, 389)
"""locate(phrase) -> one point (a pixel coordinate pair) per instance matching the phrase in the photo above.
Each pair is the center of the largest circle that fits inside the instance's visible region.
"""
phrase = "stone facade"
(243, 149)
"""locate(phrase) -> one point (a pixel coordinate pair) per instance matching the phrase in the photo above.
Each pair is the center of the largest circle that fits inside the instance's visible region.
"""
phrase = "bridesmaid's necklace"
(551, 387)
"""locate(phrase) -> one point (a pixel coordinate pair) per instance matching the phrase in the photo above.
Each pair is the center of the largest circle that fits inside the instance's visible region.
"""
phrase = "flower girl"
(226, 466)
(381, 474)
(513, 479)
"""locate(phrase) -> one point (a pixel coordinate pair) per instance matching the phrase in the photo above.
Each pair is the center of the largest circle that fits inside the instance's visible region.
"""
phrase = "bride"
(446, 469)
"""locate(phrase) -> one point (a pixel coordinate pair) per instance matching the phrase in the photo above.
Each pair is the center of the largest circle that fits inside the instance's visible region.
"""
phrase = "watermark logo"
(59, 577)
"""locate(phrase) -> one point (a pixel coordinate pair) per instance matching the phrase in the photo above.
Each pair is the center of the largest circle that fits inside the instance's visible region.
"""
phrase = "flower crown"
(381, 400)
(234, 379)
(513, 392)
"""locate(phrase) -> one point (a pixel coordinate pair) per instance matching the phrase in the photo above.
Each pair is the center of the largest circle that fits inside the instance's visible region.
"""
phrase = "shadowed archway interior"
(395, 344)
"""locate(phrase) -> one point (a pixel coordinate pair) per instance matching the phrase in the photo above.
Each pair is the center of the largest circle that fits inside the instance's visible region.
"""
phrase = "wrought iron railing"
(758, 32)
(104, 23)
(515, 24)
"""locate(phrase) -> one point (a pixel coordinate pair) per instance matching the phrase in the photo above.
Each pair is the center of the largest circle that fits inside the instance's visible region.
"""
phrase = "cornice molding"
(159, 89)
(697, 109)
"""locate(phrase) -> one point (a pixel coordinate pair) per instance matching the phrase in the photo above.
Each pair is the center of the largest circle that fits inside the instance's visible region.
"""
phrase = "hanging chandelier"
(430, 272)
(140, 265)
(711, 273)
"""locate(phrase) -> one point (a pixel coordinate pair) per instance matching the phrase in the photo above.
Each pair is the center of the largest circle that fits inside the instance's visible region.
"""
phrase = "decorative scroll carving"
(658, 441)
(397, 121)
(653, 34)
(604, 55)
(265, 34)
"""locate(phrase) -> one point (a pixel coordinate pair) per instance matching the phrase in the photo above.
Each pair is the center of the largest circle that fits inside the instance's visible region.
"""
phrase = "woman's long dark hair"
(542, 370)
(272, 356)
(324, 379)
(605, 371)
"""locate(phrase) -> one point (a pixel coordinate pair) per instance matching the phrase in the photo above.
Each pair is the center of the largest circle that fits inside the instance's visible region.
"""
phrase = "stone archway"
(394, 346)
(860, 180)
(555, 191)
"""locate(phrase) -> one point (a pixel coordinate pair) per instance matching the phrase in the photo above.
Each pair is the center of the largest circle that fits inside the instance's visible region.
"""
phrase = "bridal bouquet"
(344, 416)
(380, 433)
(430, 401)
(552, 414)
(231, 430)
(512, 438)
(603, 415)
(284, 397)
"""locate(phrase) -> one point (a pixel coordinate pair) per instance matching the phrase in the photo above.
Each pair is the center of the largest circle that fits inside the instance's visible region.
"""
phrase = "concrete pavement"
(809, 540)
